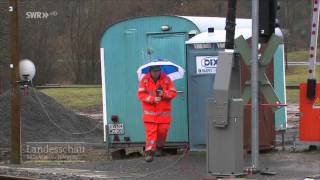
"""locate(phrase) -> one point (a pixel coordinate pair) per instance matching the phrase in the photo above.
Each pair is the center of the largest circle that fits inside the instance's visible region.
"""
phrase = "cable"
(167, 167)
(55, 124)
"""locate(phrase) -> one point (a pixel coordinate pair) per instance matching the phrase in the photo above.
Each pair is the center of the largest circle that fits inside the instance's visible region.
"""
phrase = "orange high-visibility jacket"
(156, 112)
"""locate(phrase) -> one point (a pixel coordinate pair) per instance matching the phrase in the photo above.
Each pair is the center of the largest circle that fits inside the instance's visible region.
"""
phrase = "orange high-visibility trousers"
(156, 134)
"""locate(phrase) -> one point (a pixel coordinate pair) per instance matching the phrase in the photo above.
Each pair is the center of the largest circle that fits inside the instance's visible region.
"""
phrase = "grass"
(292, 95)
(76, 98)
(300, 55)
(299, 74)
(294, 76)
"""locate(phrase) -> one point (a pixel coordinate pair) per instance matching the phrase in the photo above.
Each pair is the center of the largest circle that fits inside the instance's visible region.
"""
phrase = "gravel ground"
(287, 165)
(43, 119)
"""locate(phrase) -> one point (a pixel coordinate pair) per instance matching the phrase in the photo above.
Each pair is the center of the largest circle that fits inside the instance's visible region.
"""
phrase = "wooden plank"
(15, 153)
(269, 51)
(243, 47)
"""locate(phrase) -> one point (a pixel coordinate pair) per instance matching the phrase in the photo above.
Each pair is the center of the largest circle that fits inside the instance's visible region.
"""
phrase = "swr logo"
(209, 62)
(40, 15)
(37, 15)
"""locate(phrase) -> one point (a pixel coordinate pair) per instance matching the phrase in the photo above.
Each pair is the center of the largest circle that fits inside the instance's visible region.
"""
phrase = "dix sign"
(206, 64)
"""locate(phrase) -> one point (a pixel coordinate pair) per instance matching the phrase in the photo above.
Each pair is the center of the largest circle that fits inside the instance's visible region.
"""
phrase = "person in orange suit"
(155, 92)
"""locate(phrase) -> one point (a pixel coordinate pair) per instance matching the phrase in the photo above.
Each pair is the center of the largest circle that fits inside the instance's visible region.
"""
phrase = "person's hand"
(157, 99)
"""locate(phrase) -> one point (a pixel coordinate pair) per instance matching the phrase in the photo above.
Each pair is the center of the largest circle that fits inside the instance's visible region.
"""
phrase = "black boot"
(149, 156)
(159, 152)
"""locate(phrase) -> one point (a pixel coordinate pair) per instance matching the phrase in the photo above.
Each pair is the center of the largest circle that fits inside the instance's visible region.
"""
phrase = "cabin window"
(202, 45)
(221, 45)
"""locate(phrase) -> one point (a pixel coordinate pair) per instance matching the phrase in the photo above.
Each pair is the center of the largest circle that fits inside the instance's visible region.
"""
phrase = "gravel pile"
(45, 120)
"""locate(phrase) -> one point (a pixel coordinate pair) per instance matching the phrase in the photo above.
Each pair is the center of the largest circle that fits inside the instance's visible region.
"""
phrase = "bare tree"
(65, 48)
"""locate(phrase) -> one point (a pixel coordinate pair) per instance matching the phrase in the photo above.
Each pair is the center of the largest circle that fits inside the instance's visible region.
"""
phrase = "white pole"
(314, 38)
(104, 103)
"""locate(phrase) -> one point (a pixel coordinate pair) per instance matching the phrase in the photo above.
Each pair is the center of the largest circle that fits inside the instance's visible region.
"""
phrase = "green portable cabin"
(128, 44)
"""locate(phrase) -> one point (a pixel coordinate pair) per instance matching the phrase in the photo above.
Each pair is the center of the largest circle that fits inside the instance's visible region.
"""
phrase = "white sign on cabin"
(206, 64)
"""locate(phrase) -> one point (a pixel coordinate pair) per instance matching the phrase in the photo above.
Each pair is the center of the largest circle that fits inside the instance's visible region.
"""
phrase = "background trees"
(65, 45)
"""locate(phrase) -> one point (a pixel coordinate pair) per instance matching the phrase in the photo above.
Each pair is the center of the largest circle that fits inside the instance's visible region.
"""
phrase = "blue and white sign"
(206, 64)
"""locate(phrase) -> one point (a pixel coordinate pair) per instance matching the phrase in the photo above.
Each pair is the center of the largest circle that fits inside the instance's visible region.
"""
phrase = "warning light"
(126, 139)
(116, 138)
(114, 118)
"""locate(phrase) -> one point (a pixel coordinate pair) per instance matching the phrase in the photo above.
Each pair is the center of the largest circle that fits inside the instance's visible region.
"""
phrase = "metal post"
(255, 86)
(15, 153)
